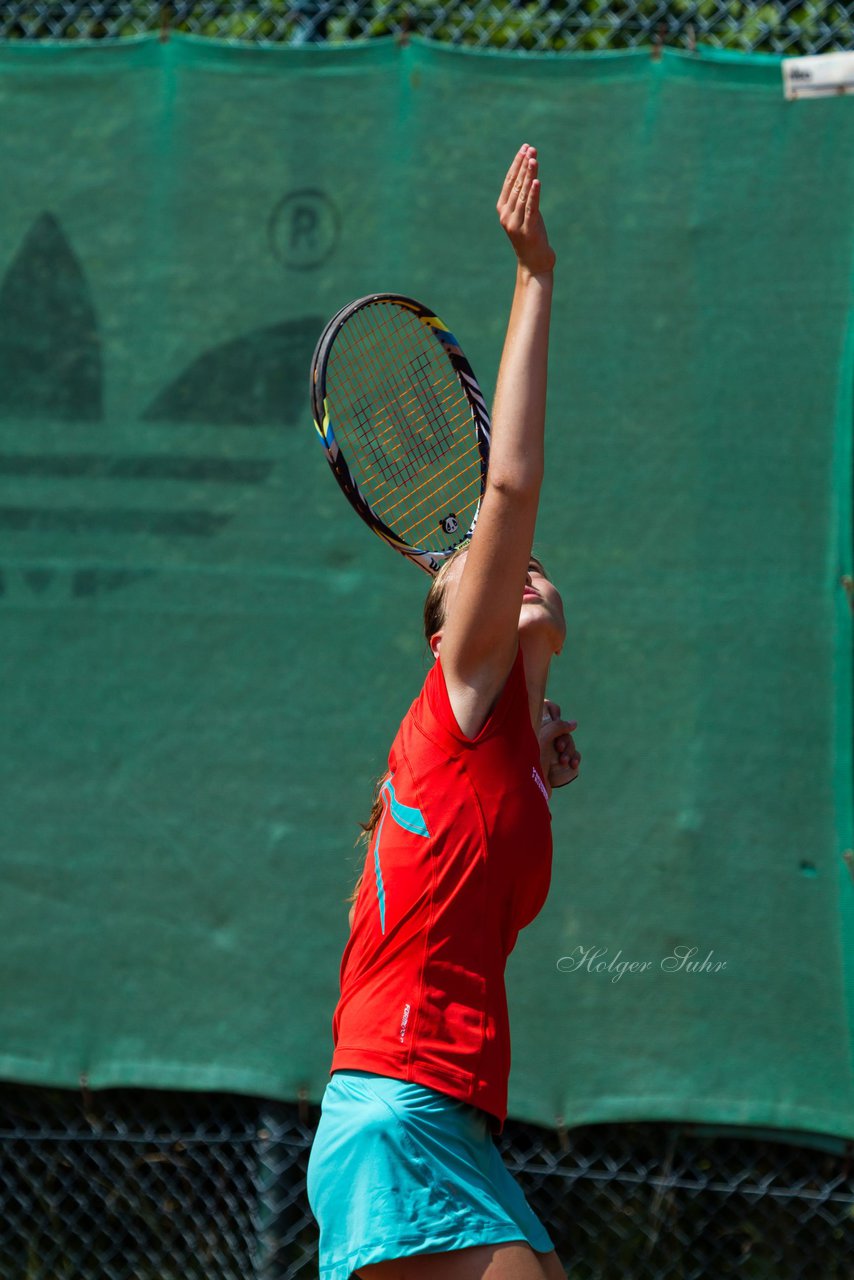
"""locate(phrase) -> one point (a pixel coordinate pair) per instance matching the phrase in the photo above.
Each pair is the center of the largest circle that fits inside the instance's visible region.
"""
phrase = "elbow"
(518, 485)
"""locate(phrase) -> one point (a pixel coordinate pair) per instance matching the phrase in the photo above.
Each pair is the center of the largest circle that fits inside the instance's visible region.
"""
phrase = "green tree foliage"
(560, 26)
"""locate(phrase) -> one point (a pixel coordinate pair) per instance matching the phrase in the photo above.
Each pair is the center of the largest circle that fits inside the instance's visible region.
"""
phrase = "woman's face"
(540, 606)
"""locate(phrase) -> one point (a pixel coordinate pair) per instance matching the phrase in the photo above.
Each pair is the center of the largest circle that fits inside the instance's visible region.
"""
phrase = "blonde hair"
(434, 605)
(434, 620)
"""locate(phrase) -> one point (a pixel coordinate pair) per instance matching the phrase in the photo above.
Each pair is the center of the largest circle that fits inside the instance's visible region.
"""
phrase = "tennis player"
(405, 1178)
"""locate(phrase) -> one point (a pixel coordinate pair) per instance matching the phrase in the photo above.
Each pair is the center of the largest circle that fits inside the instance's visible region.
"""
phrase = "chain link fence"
(783, 26)
(139, 1185)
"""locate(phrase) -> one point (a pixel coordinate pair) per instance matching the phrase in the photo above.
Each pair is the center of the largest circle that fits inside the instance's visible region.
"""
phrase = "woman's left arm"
(480, 638)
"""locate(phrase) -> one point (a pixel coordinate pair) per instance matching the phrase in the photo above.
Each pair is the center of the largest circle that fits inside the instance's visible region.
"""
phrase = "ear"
(436, 644)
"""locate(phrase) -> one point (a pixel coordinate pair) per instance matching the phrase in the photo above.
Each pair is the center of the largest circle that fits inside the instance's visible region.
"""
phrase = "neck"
(537, 653)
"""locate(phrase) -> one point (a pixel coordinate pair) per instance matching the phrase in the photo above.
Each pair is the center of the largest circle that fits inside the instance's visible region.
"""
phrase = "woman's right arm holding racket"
(479, 640)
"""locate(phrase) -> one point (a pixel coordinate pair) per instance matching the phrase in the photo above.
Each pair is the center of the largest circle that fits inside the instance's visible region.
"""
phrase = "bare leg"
(552, 1265)
(514, 1260)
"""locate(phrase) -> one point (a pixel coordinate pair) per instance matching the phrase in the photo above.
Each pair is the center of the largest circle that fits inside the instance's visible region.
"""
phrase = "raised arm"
(479, 640)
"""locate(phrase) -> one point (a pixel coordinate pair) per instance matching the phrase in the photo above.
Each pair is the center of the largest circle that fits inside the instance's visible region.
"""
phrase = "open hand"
(519, 213)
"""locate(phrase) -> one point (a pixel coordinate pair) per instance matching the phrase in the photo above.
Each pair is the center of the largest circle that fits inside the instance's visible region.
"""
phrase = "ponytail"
(434, 620)
(368, 829)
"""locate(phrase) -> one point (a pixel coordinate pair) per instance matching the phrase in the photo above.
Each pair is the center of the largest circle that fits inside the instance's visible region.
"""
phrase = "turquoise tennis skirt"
(397, 1168)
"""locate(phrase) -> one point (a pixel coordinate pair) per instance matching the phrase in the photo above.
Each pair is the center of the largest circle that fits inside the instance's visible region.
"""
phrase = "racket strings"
(411, 435)
(433, 476)
(353, 368)
(407, 424)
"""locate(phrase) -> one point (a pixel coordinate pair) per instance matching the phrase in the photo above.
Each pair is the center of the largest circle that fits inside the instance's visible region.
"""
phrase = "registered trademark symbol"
(303, 229)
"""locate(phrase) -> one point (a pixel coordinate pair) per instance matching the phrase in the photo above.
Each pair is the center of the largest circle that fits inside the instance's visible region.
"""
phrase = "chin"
(531, 622)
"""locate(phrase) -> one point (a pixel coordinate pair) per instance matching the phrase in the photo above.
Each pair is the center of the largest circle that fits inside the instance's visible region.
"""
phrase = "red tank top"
(459, 863)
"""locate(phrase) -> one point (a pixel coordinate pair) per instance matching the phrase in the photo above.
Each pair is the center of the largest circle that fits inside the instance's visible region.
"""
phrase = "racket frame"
(429, 560)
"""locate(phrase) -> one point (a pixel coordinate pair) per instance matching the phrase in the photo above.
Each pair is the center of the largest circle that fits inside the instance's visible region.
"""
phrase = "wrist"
(543, 277)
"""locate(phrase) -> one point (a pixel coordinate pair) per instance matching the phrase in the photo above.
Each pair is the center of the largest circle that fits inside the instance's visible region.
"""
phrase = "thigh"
(552, 1265)
(512, 1260)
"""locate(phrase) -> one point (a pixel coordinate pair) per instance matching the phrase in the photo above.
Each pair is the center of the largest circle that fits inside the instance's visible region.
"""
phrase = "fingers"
(522, 186)
(512, 175)
(558, 734)
(567, 755)
(560, 758)
(517, 185)
(560, 775)
(532, 204)
(550, 730)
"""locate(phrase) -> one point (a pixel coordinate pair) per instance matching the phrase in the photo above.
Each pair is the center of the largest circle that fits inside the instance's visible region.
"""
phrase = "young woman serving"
(404, 1178)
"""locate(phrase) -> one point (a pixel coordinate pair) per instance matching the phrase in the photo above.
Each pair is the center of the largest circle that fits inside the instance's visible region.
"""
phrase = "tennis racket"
(403, 424)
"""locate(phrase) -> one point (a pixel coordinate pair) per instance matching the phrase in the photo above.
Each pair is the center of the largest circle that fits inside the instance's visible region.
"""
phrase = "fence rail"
(139, 1185)
(782, 26)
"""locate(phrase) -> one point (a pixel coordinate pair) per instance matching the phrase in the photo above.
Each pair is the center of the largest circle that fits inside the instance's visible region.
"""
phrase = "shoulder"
(510, 703)
(431, 725)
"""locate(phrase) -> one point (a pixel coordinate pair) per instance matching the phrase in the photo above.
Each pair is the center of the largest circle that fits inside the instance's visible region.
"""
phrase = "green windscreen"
(205, 654)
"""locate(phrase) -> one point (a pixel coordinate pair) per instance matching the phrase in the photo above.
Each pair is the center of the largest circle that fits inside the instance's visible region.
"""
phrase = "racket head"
(403, 424)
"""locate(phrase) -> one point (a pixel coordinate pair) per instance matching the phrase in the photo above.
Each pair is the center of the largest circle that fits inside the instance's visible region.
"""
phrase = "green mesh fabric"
(205, 654)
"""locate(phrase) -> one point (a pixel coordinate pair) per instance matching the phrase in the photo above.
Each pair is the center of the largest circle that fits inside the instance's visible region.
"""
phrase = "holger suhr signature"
(594, 960)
